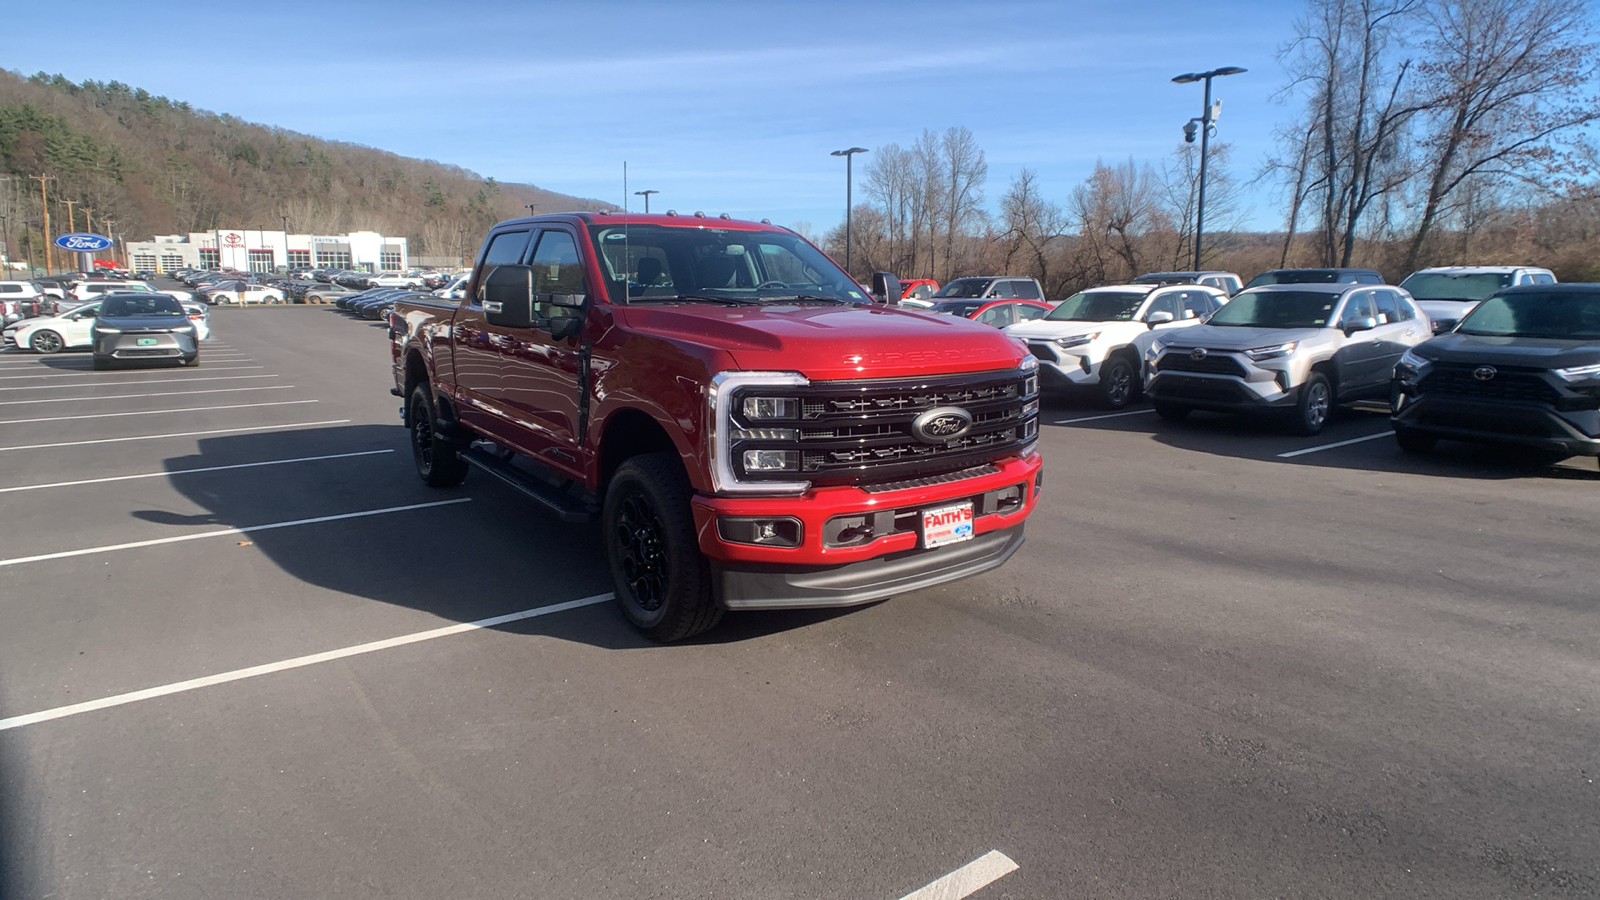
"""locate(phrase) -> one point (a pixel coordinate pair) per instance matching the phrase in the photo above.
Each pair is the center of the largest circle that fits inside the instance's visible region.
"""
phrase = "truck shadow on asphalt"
(463, 562)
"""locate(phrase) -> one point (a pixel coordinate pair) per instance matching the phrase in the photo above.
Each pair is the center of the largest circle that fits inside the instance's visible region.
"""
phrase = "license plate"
(147, 342)
(947, 525)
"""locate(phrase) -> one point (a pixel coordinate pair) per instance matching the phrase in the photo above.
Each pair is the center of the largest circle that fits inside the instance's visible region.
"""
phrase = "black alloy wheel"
(661, 580)
(436, 460)
(640, 552)
(1117, 387)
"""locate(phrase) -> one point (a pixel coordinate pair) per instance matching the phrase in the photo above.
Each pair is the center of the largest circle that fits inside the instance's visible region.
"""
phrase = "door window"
(506, 249)
(556, 270)
(1166, 302)
(1387, 307)
(1359, 306)
(1196, 305)
(1027, 290)
(1027, 312)
(1540, 278)
(1000, 315)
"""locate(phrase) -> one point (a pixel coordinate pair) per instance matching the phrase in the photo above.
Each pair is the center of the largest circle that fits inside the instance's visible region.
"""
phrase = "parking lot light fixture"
(848, 178)
(646, 196)
(1204, 124)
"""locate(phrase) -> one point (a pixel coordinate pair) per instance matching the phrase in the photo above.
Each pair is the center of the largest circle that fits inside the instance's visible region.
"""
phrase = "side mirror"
(568, 301)
(886, 288)
(563, 327)
(1352, 326)
(1159, 317)
(507, 297)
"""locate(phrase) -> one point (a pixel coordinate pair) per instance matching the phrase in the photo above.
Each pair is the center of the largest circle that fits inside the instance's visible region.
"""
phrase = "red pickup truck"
(749, 427)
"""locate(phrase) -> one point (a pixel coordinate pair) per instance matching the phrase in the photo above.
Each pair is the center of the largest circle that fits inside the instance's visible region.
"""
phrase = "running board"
(566, 507)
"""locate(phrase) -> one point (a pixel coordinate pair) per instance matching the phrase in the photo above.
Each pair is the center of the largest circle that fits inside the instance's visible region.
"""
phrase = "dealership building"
(259, 250)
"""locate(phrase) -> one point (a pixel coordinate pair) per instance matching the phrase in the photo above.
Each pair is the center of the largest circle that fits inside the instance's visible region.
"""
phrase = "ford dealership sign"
(80, 242)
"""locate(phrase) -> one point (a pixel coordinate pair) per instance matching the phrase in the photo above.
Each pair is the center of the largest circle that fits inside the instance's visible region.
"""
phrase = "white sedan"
(55, 333)
(250, 293)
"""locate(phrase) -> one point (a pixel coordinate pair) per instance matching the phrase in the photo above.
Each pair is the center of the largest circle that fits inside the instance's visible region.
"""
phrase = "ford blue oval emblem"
(941, 425)
(81, 242)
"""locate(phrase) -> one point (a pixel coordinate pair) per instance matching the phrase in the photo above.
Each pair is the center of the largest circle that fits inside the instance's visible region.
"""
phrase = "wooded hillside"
(150, 165)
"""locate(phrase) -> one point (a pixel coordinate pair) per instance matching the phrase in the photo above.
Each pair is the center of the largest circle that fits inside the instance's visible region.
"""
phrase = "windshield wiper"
(807, 298)
(697, 298)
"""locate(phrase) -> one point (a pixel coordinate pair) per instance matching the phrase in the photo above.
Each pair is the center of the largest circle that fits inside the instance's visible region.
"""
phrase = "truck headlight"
(1260, 354)
(768, 408)
(771, 461)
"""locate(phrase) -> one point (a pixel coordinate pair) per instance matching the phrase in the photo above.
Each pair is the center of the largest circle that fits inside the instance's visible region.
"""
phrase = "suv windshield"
(655, 263)
(1443, 286)
(964, 287)
(1277, 309)
(1564, 315)
(117, 306)
(1098, 306)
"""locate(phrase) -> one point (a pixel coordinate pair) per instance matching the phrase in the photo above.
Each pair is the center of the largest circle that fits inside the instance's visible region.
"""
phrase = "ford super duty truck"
(752, 431)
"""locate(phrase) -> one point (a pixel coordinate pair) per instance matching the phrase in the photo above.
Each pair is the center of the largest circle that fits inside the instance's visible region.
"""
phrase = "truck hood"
(1539, 353)
(1229, 337)
(832, 342)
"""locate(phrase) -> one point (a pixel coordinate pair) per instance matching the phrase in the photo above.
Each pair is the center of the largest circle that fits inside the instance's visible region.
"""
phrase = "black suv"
(1522, 368)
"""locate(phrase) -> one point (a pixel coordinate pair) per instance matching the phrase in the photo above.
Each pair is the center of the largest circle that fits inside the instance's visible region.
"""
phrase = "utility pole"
(72, 221)
(44, 207)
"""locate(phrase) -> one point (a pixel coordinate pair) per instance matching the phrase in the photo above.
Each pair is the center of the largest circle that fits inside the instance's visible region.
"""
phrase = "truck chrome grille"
(860, 432)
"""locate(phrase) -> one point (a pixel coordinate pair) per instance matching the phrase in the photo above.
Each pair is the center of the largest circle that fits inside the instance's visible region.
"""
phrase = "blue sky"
(722, 107)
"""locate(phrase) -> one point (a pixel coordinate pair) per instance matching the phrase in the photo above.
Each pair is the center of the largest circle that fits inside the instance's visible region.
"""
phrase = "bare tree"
(1508, 82)
(964, 169)
(1033, 227)
(1114, 209)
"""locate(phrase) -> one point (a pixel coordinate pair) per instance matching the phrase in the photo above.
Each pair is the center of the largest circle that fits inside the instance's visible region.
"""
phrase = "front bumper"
(1536, 425)
(856, 546)
(1220, 393)
(1060, 368)
(133, 345)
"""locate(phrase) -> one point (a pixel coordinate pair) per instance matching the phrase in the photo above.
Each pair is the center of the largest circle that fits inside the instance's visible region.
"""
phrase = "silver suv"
(1447, 293)
(1294, 349)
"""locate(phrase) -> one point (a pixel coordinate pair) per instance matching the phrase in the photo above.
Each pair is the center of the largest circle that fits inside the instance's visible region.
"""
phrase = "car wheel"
(661, 581)
(1311, 410)
(1172, 412)
(46, 341)
(1414, 441)
(435, 458)
(1117, 385)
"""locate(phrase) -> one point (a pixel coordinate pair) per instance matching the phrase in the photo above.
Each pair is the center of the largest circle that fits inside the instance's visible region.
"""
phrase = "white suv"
(1447, 293)
(1088, 340)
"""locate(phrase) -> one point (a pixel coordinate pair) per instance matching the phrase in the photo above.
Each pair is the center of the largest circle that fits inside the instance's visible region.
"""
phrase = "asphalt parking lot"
(245, 653)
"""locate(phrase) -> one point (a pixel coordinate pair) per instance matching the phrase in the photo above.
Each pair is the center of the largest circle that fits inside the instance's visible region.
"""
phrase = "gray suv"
(1291, 349)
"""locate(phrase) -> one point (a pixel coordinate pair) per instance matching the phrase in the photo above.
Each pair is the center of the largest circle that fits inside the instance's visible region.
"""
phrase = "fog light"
(765, 532)
(771, 461)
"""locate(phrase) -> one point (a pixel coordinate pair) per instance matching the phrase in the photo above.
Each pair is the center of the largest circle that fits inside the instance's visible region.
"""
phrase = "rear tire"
(1171, 412)
(661, 580)
(1118, 383)
(1414, 441)
(1311, 410)
(435, 458)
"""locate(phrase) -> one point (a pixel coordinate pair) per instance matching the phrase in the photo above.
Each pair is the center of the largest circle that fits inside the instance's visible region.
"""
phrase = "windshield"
(1098, 306)
(655, 263)
(117, 306)
(1277, 309)
(1444, 286)
(1299, 276)
(964, 287)
(1564, 315)
(962, 308)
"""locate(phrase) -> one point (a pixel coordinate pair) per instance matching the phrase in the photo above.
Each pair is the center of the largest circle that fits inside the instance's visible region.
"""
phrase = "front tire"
(435, 458)
(662, 581)
(1117, 383)
(46, 341)
(1311, 410)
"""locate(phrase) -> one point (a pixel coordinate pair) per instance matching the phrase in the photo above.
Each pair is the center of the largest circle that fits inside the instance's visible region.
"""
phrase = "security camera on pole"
(1204, 126)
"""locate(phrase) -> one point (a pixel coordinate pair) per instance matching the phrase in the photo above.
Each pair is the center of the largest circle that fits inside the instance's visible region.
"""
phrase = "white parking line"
(152, 412)
(252, 465)
(81, 374)
(1370, 437)
(179, 434)
(963, 882)
(178, 687)
(270, 387)
(247, 529)
(1136, 412)
(42, 387)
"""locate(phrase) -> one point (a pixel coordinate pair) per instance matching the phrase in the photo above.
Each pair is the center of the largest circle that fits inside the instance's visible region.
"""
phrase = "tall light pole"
(646, 196)
(286, 264)
(1204, 123)
(848, 201)
(5, 238)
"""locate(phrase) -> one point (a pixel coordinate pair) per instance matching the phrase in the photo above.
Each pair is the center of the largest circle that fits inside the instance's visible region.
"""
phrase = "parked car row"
(74, 329)
(375, 303)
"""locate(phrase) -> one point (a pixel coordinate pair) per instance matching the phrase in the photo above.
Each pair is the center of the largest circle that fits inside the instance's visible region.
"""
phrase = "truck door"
(542, 381)
(475, 348)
